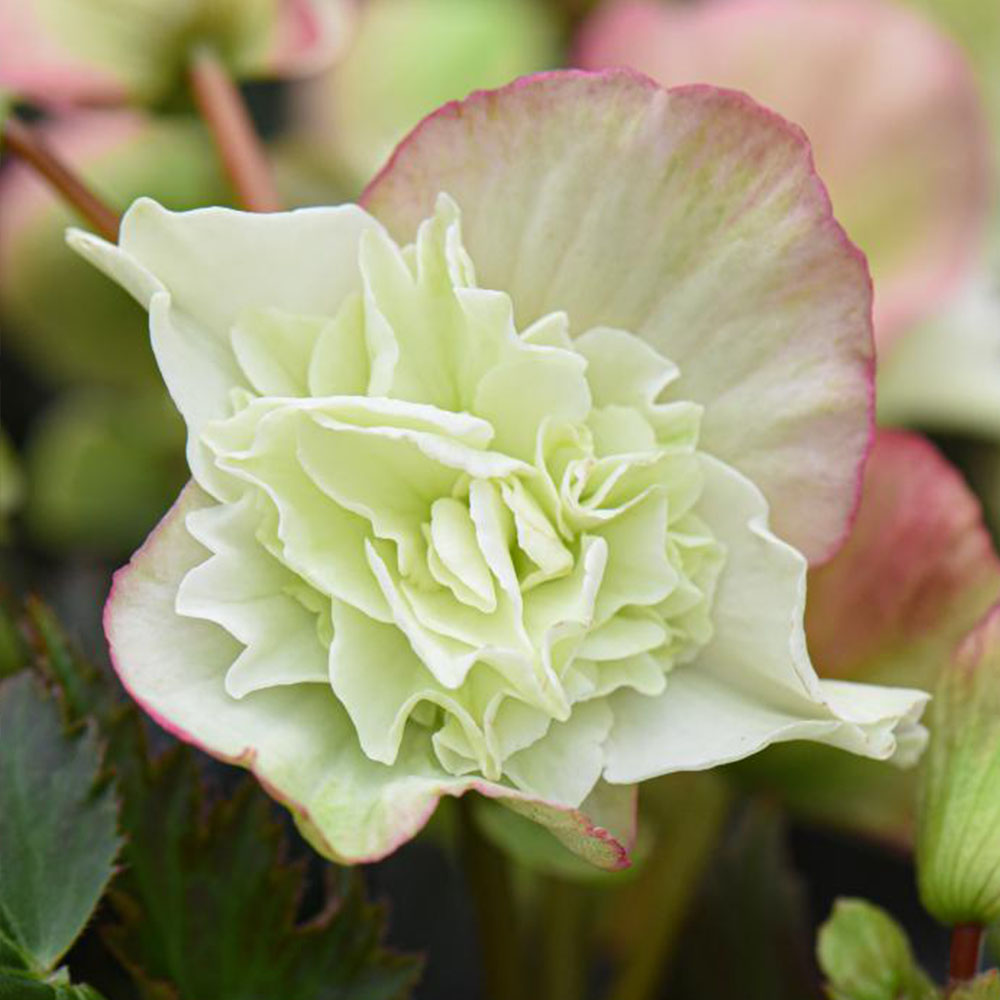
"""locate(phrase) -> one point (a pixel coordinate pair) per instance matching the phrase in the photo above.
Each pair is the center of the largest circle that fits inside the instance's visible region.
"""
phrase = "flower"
(890, 105)
(54, 51)
(507, 481)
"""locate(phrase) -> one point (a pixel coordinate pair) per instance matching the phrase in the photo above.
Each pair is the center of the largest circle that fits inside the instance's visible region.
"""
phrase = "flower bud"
(958, 845)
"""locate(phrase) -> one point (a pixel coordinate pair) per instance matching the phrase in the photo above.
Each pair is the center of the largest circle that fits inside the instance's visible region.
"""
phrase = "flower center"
(490, 531)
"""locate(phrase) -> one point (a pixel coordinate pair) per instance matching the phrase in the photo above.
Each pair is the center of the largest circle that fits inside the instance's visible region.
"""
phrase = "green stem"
(488, 878)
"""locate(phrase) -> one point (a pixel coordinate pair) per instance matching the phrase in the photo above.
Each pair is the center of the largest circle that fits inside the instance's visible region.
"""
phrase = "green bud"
(958, 848)
(865, 955)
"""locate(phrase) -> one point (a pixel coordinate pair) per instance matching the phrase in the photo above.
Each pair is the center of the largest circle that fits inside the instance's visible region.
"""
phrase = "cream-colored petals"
(753, 684)
(890, 106)
(298, 740)
(625, 206)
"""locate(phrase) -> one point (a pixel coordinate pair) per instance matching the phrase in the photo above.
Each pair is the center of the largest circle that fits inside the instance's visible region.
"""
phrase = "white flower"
(509, 531)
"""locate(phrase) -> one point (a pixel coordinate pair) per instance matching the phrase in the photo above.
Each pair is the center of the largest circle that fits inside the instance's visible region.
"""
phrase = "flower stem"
(966, 946)
(236, 140)
(488, 879)
(25, 143)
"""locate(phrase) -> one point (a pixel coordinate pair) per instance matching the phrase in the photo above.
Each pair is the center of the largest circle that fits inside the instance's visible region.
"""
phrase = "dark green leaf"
(58, 836)
(209, 908)
(866, 955)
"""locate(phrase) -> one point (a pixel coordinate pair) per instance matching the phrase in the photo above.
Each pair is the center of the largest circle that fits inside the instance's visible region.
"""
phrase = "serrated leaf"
(747, 932)
(866, 955)
(58, 838)
(208, 910)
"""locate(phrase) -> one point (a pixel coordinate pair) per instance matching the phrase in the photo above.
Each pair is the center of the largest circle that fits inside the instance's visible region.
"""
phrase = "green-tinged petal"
(566, 763)
(903, 147)
(916, 573)
(753, 684)
(624, 206)
(247, 591)
(206, 268)
(298, 740)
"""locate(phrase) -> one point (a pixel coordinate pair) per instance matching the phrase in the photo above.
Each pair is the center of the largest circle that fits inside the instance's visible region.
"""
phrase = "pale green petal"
(541, 383)
(639, 571)
(249, 593)
(298, 740)
(274, 349)
(693, 219)
(753, 684)
(702, 720)
(216, 265)
(565, 764)
(623, 369)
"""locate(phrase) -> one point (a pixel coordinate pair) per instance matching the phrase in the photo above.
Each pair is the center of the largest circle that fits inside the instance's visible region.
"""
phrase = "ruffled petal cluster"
(488, 508)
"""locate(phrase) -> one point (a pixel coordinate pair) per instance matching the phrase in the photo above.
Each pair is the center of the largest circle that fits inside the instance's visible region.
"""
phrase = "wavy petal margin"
(693, 218)
(298, 741)
(917, 572)
(889, 104)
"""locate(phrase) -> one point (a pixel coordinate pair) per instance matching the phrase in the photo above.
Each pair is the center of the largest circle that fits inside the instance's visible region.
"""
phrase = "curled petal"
(630, 207)
(298, 740)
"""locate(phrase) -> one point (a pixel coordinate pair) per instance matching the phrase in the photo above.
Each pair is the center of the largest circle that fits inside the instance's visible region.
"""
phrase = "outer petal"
(890, 107)
(692, 218)
(198, 272)
(298, 740)
(917, 572)
(753, 684)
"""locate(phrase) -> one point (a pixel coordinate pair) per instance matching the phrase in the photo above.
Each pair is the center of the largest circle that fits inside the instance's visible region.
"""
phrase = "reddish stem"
(239, 147)
(25, 143)
(966, 947)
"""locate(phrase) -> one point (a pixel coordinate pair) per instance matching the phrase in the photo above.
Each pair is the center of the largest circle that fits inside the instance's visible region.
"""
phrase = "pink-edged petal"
(693, 218)
(917, 571)
(297, 739)
(889, 104)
